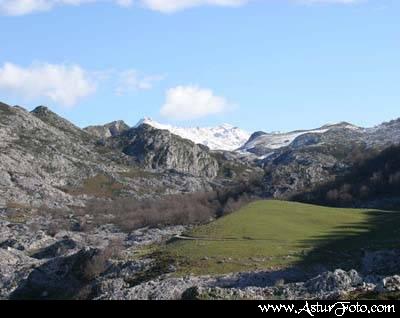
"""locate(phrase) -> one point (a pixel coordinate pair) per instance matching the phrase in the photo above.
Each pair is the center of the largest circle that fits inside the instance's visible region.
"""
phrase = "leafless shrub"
(129, 214)
(99, 263)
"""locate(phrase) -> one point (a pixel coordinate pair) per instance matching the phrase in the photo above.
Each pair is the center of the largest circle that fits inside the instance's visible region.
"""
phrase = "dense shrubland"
(192, 208)
(180, 209)
(373, 181)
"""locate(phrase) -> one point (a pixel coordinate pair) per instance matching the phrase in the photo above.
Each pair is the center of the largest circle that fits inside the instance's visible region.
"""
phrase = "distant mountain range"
(45, 159)
(227, 137)
(222, 137)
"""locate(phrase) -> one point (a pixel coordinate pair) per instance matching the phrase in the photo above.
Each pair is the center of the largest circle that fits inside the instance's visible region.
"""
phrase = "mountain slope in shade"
(222, 137)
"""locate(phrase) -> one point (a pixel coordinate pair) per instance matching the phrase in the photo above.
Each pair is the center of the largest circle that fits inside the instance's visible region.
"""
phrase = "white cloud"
(169, 6)
(132, 80)
(62, 84)
(190, 102)
(22, 7)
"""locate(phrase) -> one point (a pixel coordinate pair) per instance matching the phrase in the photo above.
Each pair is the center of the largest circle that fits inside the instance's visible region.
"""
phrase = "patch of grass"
(99, 186)
(17, 212)
(276, 234)
(17, 206)
(160, 265)
(18, 218)
(142, 252)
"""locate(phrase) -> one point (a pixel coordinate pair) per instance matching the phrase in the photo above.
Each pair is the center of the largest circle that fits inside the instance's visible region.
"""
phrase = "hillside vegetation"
(278, 234)
(374, 181)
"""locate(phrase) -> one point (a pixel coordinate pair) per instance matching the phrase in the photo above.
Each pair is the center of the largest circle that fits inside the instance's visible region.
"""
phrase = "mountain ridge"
(222, 137)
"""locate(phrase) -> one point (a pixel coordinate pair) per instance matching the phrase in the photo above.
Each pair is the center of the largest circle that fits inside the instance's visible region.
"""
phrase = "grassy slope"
(276, 234)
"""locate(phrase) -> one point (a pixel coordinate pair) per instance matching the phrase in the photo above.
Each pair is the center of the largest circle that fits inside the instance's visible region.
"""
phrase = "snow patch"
(222, 137)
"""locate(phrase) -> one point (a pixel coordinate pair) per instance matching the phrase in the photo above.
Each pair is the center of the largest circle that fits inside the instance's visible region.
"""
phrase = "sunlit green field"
(274, 234)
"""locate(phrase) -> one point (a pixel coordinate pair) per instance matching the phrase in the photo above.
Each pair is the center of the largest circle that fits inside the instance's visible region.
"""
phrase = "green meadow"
(277, 234)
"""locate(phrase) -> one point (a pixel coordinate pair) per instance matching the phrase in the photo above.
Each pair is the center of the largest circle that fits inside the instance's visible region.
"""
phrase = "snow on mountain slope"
(278, 140)
(223, 137)
(262, 143)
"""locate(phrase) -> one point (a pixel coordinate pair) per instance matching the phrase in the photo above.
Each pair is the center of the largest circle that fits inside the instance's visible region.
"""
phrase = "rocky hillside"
(262, 143)
(47, 160)
(42, 153)
(316, 157)
(373, 181)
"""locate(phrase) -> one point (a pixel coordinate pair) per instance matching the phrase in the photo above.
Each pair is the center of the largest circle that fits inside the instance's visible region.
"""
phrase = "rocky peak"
(160, 149)
(41, 111)
(52, 119)
(112, 129)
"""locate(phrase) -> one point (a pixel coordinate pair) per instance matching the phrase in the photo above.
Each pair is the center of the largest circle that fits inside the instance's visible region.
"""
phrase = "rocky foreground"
(108, 264)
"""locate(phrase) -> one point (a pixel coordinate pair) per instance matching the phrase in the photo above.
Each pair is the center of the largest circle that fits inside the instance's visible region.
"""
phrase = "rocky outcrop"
(36, 265)
(15, 268)
(336, 281)
(338, 284)
(112, 129)
(310, 160)
(161, 150)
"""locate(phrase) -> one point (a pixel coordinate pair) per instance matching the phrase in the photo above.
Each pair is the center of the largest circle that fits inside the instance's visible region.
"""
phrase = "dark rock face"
(59, 278)
(57, 249)
(13, 243)
(159, 149)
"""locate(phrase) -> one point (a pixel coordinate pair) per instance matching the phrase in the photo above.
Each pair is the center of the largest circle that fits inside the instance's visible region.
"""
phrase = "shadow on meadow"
(345, 246)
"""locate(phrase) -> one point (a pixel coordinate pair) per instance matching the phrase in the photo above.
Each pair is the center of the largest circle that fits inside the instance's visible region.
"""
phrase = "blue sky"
(258, 64)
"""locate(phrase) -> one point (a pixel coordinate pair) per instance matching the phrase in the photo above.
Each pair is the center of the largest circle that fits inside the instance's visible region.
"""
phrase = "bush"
(98, 264)
(373, 181)
(129, 214)
(180, 209)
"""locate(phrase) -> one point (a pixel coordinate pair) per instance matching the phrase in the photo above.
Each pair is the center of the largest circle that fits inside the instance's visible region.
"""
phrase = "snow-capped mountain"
(262, 143)
(222, 137)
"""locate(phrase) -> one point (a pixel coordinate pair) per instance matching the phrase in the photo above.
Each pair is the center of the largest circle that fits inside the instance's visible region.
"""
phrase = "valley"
(144, 213)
